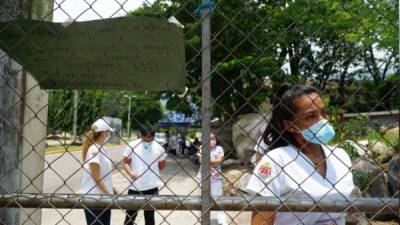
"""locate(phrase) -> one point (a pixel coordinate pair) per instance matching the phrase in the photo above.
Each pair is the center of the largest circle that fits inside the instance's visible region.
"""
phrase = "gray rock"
(370, 178)
(232, 181)
(360, 146)
(394, 176)
(394, 132)
(246, 132)
(381, 152)
(356, 218)
(231, 162)
(224, 135)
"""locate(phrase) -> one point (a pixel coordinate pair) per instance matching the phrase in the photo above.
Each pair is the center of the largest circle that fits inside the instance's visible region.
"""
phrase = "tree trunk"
(343, 74)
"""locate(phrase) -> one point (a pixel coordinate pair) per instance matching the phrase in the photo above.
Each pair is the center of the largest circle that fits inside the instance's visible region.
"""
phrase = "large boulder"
(357, 149)
(392, 133)
(356, 218)
(394, 175)
(232, 180)
(231, 163)
(223, 131)
(369, 178)
(246, 132)
(380, 151)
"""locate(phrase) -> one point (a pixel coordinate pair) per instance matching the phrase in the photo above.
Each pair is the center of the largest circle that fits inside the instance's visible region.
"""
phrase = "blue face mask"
(146, 144)
(319, 133)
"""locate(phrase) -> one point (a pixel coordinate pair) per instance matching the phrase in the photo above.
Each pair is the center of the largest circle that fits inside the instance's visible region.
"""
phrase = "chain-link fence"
(103, 122)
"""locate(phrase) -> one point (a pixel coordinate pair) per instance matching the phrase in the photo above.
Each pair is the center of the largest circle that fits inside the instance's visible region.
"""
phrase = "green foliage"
(60, 110)
(94, 104)
(255, 41)
(350, 149)
(362, 179)
(348, 130)
(267, 42)
(61, 114)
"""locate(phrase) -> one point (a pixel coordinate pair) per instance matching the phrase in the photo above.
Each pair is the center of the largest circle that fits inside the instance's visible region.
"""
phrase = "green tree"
(94, 104)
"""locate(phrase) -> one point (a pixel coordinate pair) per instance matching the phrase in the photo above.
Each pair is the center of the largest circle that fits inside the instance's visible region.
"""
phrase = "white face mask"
(107, 139)
(213, 143)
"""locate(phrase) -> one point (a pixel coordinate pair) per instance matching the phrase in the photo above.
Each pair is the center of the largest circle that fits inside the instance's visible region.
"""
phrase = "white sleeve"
(128, 151)
(346, 165)
(163, 154)
(93, 155)
(220, 151)
(267, 178)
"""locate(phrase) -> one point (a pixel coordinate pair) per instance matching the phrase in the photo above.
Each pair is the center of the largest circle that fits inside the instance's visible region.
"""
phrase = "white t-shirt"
(285, 172)
(216, 171)
(145, 164)
(99, 155)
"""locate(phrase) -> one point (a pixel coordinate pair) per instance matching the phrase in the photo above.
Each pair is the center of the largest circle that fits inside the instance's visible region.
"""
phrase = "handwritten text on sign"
(130, 53)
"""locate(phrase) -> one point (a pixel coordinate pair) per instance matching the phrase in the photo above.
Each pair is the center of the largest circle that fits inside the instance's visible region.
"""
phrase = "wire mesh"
(243, 60)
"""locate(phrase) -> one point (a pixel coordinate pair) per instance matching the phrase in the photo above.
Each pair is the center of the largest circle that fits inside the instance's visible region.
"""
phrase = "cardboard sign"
(128, 53)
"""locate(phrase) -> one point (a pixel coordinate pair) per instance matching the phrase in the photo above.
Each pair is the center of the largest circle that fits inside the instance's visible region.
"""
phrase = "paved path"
(63, 175)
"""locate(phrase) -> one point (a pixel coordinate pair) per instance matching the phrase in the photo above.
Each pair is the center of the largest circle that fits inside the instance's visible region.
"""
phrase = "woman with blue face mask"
(98, 167)
(300, 164)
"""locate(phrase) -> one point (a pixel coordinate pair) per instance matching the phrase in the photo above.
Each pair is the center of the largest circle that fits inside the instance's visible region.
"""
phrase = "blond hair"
(91, 138)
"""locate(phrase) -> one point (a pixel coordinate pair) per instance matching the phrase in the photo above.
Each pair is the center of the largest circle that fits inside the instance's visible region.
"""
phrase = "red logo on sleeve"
(265, 169)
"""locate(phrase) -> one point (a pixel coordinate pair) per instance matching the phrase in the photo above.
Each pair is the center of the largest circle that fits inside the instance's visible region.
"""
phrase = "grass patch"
(60, 148)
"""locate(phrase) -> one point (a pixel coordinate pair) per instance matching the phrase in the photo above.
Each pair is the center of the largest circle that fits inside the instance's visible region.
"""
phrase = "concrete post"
(11, 114)
(23, 120)
(75, 125)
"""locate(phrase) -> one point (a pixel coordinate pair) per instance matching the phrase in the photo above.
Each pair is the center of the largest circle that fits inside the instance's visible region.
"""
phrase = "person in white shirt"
(97, 175)
(299, 163)
(143, 160)
(216, 179)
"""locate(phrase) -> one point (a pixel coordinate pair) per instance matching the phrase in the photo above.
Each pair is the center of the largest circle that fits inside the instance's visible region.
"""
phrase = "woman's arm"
(258, 157)
(115, 191)
(95, 170)
(217, 161)
(263, 218)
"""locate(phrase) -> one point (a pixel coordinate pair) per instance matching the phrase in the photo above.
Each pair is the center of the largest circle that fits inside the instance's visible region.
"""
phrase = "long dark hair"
(283, 108)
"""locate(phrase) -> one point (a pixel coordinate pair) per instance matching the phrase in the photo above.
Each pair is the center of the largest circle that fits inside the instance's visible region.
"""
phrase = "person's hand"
(115, 191)
(134, 177)
(214, 174)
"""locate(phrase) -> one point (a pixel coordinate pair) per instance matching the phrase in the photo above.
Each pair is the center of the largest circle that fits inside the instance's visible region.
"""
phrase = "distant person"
(299, 163)
(216, 179)
(194, 146)
(173, 144)
(183, 143)
(98, 167)
(179, 146)
(143, 160)
(196, 142)
(167, 139)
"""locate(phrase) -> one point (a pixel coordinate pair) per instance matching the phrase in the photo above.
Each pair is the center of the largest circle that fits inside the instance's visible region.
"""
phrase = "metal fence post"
(205, 110)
